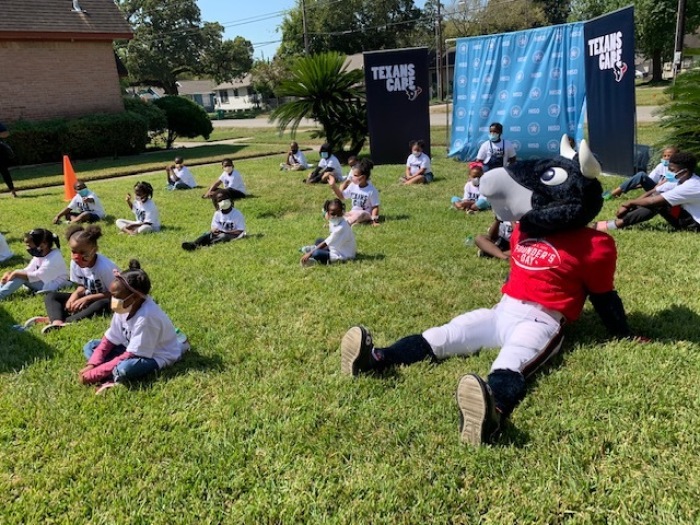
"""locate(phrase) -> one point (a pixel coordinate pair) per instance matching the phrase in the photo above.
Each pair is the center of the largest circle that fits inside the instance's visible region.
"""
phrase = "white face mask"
(335, 220)
(225, 204)
(476, 181)
(117, 305)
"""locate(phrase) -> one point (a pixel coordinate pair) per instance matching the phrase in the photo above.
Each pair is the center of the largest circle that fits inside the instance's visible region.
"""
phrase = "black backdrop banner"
(398, 93)
(609, 48)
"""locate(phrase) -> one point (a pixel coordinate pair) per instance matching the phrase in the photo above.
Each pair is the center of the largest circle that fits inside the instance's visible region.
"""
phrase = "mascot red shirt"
(561, 270)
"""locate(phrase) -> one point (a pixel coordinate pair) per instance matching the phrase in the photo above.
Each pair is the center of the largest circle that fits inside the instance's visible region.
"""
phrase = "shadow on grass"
(370, 257)
(18, 349)
(398, 217)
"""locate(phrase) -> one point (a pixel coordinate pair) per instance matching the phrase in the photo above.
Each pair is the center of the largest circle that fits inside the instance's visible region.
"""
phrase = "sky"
(256, 21)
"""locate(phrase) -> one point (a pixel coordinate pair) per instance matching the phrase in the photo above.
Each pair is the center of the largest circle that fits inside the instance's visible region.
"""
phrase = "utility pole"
(303, 24)
(438, 50)
(680, 33)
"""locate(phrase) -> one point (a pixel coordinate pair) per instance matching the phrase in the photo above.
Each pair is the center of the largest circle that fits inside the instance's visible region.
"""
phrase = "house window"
(235, 92)
(223, 96)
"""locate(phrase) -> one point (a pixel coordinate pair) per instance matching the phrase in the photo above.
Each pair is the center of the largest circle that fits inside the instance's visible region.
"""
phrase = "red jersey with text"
(560, 270)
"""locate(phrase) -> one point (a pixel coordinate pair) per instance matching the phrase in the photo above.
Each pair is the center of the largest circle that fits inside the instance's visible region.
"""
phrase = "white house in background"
(200, 91)
(236, 96)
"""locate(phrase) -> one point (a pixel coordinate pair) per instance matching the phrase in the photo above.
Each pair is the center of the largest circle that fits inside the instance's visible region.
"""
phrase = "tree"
(170, 40)
(472, 18)
(681, 114)
(267, 75)
(352, 26)
(327, 92)
(654, 22)
(185, 118)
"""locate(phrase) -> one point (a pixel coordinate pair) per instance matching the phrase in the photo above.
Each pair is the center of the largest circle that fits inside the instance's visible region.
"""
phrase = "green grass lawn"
(650, 95)
(256, 424)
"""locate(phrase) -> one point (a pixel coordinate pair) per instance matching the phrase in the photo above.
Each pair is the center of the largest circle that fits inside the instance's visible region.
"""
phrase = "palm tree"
(681, 114)
(322, 89)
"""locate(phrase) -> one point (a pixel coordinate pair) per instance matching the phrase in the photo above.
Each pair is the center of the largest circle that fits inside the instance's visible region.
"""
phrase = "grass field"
(256, 424)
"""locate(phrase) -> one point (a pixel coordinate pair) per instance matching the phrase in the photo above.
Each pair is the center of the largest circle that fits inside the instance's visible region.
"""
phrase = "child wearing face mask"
(91, 272)
(46, 271)
(418, 169)
(227, 224)
(496, 152)
(147, 218)
(84, 207)
(329, 164)
(365, 197)
(659, 175)
(472, 200)
(231, 180)
(339, 245)
(140, 340)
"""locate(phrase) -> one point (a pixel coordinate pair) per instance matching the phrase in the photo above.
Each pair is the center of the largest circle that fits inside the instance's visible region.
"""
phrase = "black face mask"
(35, 252)
(295, 151)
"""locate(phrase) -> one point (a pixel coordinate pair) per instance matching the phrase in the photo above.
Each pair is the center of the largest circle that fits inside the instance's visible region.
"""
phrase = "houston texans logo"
(413, 93)
(620, 69)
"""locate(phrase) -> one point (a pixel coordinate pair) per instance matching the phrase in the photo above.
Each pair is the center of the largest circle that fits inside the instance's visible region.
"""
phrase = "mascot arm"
(611, 311)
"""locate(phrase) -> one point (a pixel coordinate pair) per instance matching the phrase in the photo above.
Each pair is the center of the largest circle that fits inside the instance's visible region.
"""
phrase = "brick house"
(57, 59)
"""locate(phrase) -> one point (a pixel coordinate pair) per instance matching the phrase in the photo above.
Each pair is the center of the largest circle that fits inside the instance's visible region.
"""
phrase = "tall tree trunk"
(170, 88)
(656, 66)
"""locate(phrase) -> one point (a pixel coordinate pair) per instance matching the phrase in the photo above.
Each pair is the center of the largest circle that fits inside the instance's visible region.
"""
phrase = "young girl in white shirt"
(365, 197)
(179, 176)
(418, 169)
(231, 179)
(227, 223)
(339, 245)
(140, 339)
(46, 271)
(147, 217)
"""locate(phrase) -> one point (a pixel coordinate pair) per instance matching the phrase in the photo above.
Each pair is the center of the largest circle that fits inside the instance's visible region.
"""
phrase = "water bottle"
(469, 241)
(181, 337)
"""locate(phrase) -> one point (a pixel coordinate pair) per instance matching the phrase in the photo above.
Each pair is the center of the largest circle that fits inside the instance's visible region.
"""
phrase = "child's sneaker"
(307, 249)
(34, 320)
(189, 246)
(52, 327)
(356, 351)
(308, 263)
(479, 422)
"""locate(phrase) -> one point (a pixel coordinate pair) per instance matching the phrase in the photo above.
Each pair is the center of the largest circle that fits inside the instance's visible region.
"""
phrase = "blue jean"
(17, 283)
(132, 368)
(639, 179)
(323, 256)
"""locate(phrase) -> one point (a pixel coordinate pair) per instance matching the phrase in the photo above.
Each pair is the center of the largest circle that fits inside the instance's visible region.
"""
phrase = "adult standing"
(6, 155)
(496, 152)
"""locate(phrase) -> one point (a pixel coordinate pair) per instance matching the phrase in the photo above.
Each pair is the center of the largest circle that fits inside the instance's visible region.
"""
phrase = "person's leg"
(315, 176)
(322, 256)
(204, 240)
(236, 195)
(122, 224)
(134, 368)
(145, 228)
(179, 185)
(635, 181)
(90, 346)
(55, 303)
(637, 216)
(7, 177)
(358, 217)
(11, 286)
(223, 237)
(420, 179)
(99, 307)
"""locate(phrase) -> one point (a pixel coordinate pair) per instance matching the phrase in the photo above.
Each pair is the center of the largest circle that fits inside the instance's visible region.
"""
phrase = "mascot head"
(547, 196)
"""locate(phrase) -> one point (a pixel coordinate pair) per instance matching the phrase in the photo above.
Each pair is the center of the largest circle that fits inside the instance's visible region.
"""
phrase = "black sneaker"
(356, 351)
(189, 246)
(479, 422)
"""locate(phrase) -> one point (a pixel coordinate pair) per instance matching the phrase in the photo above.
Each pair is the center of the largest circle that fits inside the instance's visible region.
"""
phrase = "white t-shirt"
(5, 252)
(51, 270)
(298, 158)
(341, 241)
(331, 162)
(503, 149)
(96, 279)
(186, 176)
(79, 206)
(417, 163)
(686, 195)
(233, 220)
(233, 181)
(147, 212)
(505, 230)
(471, 192)
(362, 198)
(149, 333)
(659, 171)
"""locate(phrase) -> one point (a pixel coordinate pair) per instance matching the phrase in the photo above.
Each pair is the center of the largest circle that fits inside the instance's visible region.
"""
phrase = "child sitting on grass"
(365, 197)
(141, 339)
(91, 272)
(84, 207)
(641, 179)
(231, 179)
(339, 245)
(226, 225)
(472, 200)
(179, 176)
(46, 271)
(418, 169)
(147, 218)
(497, 241)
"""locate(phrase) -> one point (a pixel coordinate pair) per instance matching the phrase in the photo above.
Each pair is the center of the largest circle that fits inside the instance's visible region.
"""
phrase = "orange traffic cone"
(68, 179)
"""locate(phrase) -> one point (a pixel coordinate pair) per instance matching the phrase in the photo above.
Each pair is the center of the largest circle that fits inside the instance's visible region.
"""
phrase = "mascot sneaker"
(478, 420)
(356, 351)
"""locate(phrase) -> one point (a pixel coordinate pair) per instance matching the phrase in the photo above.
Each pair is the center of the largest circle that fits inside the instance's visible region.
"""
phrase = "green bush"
(157, 120)
(99, 135)
(185, 118)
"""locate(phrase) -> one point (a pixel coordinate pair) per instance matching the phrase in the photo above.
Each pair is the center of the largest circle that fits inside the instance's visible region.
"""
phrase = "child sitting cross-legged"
(141, 338)
(226, 225)
(147, 217)
(472, 201)
(339, 245)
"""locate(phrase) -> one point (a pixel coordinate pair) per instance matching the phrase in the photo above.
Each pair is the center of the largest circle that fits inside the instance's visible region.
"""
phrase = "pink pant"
(357, 216)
